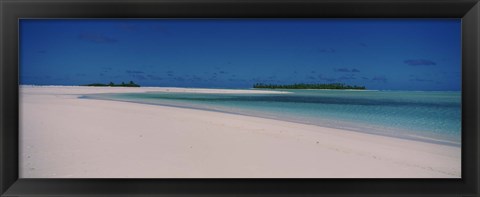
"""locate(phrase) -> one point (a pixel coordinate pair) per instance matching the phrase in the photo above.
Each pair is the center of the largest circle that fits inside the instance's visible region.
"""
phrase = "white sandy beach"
(62, 136)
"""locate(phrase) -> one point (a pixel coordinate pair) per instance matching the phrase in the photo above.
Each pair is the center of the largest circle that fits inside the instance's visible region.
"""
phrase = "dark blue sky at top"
(386, 54)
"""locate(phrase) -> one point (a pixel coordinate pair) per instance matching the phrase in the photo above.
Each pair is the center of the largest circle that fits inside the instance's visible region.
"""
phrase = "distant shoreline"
(246, 88)
(302, 86)
(97, 89)
(315, 89)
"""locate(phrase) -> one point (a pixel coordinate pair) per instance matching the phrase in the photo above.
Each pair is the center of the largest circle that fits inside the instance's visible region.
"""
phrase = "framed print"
(236, 98)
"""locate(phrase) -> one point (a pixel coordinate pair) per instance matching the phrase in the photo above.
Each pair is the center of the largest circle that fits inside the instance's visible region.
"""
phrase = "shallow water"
(426, 116)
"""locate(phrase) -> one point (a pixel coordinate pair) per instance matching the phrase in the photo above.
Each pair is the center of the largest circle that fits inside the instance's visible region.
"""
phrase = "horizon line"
(148, 86)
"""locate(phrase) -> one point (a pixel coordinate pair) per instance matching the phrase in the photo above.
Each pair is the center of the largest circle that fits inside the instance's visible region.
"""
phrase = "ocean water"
(426, 116)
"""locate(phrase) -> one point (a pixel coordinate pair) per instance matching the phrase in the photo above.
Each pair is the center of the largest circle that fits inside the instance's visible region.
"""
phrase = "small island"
(111, 84)
(336, 86)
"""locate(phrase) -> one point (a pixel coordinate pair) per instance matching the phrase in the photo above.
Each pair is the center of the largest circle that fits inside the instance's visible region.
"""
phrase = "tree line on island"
(111, 84)
(336, 86)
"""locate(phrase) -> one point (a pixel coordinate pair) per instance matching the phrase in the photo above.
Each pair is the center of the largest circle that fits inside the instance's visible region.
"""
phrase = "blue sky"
(386, 54)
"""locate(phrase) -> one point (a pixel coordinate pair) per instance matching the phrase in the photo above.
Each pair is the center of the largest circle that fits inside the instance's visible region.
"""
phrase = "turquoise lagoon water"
(426, 116)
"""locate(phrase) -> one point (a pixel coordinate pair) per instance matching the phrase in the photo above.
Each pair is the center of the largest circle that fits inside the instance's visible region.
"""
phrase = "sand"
(63, 136)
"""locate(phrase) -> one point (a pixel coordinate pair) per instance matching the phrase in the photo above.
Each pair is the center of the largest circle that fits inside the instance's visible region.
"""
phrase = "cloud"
(419, 62)
(419, 79)
(161, 29)
(139, 77)
(179, 78)
(347, 77)
(153, 77)
(128, 27)
(36, 77)
(329, 50)
(382, 79)
(213, 77)
(346, 70)
(134, 72)
(96, 38)
(329, 79)
(196, 78)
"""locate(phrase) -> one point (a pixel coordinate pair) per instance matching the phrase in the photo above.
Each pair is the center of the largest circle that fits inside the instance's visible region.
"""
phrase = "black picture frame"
(12, 10)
